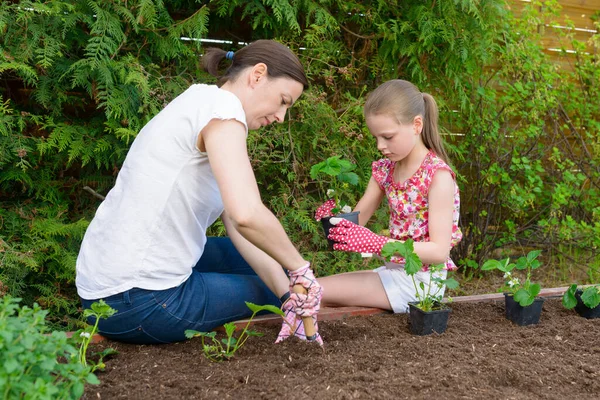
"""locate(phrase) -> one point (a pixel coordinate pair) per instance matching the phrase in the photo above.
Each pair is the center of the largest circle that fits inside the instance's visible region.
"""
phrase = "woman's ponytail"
(431, 134)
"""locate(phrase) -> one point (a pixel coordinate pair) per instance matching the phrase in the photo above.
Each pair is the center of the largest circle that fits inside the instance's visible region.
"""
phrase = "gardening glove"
(293, 325)
(355, 238)
(325, 209)
(305, 304)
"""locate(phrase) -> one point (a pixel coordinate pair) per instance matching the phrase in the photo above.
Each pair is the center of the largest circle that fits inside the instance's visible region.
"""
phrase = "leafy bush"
(80, 78)
(37, 364)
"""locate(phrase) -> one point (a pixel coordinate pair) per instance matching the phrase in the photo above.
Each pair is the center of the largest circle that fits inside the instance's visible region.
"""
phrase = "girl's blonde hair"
(404, 101)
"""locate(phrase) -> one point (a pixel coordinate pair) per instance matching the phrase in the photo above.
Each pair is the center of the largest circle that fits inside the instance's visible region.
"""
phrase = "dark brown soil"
(480, 356)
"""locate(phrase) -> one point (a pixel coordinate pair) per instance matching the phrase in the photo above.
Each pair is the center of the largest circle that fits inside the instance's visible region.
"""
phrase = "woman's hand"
(355, 238)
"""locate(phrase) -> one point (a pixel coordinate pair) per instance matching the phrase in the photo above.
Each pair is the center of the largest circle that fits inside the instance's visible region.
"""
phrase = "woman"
(146, 252)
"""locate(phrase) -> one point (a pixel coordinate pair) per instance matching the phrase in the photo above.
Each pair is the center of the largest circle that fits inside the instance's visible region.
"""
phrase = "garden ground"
(480, 356)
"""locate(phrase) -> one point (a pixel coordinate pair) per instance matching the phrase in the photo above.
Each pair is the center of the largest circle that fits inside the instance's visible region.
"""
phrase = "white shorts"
(400, 288)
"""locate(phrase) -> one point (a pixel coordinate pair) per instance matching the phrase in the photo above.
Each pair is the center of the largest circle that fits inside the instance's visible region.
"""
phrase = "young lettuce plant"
(226, 348)
(590, 297)
(99, 309)
(523, 293)
(428, 298)
(338, 175)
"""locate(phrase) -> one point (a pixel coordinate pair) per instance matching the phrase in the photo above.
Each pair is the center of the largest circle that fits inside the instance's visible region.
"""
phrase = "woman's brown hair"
(404, 101)
(280, 61)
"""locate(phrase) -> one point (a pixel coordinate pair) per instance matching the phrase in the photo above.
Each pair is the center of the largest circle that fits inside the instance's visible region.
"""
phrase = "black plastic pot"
(352, 217)
(529, 315)
(584, 310)
(427, 322)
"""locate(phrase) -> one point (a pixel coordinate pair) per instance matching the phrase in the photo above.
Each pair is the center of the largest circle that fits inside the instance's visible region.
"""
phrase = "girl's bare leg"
(360, 288)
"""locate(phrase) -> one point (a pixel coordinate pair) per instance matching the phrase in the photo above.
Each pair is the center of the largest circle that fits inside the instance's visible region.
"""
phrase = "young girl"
(422, 195)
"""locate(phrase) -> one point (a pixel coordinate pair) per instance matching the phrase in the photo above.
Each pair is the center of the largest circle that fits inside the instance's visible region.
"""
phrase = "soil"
(481, 355)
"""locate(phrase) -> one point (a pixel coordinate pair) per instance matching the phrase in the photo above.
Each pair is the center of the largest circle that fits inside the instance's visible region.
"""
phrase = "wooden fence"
(577, 16)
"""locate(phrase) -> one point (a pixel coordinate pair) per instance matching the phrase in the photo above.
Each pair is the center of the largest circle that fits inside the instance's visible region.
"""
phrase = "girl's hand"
(352, 237)
(325, 209)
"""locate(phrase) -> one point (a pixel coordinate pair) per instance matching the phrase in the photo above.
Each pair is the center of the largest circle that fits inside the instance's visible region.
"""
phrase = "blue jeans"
(214, 294)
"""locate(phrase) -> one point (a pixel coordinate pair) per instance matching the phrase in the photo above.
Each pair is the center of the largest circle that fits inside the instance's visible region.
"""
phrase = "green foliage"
(590, 296)
(336, 174)
(427, 300)
(226, 348)
(526, 292)
(37, 364)
(81, 78)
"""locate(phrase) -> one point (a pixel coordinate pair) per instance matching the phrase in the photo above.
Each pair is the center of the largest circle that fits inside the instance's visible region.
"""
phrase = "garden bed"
(481, 355)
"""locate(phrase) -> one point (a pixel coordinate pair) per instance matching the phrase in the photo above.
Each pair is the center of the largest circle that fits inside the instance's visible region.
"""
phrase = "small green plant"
(523, 293)
(337, 174)
(427, 299)
(99, 310)
(36, 363)
(590, 296)
(226, 348)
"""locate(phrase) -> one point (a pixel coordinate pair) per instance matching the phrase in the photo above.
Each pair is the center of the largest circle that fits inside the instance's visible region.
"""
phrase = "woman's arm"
(441, 206)
(225, 143)
(265, 266)
(369, 202)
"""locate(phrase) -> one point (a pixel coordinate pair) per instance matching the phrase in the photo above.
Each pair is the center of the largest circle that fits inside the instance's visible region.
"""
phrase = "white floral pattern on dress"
(409, 206)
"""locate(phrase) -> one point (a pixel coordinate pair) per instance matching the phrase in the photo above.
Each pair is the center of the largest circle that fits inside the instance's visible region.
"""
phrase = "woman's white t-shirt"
(150, 230)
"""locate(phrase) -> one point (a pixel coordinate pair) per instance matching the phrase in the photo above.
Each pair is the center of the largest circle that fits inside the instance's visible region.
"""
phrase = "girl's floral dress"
(409, 207)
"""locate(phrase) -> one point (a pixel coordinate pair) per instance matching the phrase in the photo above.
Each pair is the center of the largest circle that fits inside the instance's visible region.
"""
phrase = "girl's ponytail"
(431, 134)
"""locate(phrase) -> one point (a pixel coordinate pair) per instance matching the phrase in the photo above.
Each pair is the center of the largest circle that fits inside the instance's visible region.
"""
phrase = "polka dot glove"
(352, 237)
(325, 209)
(293, 325)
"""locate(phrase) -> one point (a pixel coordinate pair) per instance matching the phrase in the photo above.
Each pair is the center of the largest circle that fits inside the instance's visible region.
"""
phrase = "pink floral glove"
(352, 237)
(325, 209)
(301, 305)
(305, 304)
(293, 325)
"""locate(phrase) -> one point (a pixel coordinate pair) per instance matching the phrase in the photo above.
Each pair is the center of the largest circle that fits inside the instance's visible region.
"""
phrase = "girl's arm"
(441, 206)
(225, 143)
(369, 202)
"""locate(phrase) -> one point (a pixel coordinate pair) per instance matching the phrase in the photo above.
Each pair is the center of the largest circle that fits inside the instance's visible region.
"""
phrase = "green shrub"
(35, 363)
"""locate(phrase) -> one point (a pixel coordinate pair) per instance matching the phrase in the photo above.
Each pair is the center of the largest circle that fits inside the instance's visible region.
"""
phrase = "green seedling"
(427, 299)
(337, 174)
(98, 310)
(523, 293)
(224, 349)
(590, 296)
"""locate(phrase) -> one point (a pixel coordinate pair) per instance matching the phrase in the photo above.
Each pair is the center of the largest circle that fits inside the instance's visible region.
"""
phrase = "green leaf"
(92, 379)
(523, 297)
(490, 265)
(267, 307)
(534, 289)
(229, 341)
(229, 328)
(532, 255)
(450, 283)
(254, 333)
(189, 333)
(569, 300)
(591, 297)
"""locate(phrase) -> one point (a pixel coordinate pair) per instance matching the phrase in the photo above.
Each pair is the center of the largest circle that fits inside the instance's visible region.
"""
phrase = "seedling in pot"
(224, 349)
(523, 293)
(523, 306)
(427, 299)
(585, 301)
